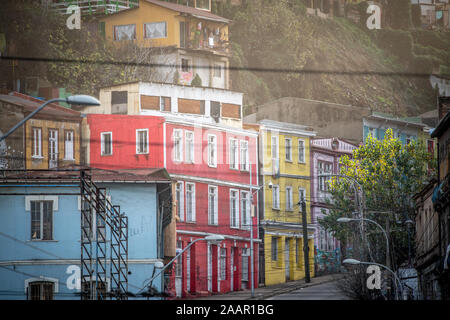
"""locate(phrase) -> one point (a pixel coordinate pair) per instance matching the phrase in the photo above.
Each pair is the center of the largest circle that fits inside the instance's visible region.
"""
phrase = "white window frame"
(245, 210)
(245, 161)
(190, 216)
(158, 22)
(37, 143)
(177, 148)
(41, 219)
(212, 147)
(301, 151)
(102, 141)
(138, 142)
(179, 188)
(274, 147)
(276, 197)
(322, 181)
(288, 142)
(300, 191)
(189, 146)
(222, 264)
(235, 199)
(69, 145)
(30, 281)
(213, 217)
(124, 25)
(289, 199)
(234, 154)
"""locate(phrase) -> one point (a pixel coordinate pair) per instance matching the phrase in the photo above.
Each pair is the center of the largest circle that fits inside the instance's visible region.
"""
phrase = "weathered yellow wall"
(275, 271)
(45, 125)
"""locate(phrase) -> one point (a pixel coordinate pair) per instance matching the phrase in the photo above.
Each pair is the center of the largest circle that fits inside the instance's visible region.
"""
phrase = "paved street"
(325, 291)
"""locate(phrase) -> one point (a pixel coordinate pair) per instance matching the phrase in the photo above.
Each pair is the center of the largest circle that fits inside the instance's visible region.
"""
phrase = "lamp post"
(217, 238)
(81, 100)
(357, 262)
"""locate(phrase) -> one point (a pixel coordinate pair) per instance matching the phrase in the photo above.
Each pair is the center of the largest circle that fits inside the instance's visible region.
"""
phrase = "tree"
(390, 174)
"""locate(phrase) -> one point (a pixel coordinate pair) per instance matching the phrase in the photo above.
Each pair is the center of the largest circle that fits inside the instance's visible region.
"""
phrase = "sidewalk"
(265, 292)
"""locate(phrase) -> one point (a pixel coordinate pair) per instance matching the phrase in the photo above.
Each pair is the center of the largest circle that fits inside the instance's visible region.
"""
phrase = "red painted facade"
(201, 268)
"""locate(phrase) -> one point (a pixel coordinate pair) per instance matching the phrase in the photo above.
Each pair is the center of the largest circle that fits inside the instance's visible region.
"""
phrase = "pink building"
(325, 154)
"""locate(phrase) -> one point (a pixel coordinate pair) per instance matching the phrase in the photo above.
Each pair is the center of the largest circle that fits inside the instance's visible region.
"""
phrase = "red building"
(213, 163)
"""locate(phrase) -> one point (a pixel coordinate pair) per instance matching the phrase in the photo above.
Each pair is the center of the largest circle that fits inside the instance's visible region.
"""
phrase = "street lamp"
(212, 238)
(357, 262)
(81, 100)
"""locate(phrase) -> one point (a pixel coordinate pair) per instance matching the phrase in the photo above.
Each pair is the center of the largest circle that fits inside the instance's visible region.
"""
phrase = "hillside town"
(149, 150)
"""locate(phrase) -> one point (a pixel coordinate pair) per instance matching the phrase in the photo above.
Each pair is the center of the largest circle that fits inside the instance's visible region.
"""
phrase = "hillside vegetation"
(267, 36)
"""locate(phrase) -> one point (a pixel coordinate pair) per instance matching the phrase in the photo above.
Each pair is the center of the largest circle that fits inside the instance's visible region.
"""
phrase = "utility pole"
(252, 267)
(305, 240)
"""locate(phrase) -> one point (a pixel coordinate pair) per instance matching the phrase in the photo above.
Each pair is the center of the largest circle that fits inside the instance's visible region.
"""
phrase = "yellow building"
(286, 177)
(51, 139)
(194, 41)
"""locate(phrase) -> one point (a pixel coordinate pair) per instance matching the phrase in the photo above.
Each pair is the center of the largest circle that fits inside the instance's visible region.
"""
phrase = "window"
(142, 141)
(212, 150)
(301, 196)
(165, 104)
(275, 197)
(125, 32)
(234, 209)
(288, 149)
(68, 145)
(289, 201)
(180, 200)
(212, 205)
(274, 147)
(106, 143)
(233, 154)
(155, 30)
(217, 71)
(430, 146)
(245, 210)
(41, 220)
(274, 248)
(297, 250)
(41, 290)
(223, 264)
(372, 132)
(324, 168)
(189, 137)
(37, 142)
(185, 65)
(177, 145)
(301, 151)
(101, 289)
(190, 202)
(202, 4)
(53, 149)
(245, 162)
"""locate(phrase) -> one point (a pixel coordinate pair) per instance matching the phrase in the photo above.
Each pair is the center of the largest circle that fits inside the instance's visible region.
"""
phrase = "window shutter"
(216, 209)
(193, 202)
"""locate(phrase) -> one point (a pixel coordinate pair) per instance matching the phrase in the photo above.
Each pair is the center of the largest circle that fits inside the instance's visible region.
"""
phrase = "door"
(286, 259)
(52, 148)
(236, 270)
(244, 280)
(232, 269)
(179, 271)
(209, 268)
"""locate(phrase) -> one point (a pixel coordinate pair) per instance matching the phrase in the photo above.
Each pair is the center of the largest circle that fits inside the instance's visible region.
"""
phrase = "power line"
(230, 68)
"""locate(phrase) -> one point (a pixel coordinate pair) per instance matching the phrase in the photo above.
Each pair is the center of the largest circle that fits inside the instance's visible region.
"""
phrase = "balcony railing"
(94, 6)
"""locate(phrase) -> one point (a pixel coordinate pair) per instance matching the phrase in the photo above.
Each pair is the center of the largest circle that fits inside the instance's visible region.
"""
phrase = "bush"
(197, 81)
(433, 39)
(415, 16)
(423, 64)
(397, 42)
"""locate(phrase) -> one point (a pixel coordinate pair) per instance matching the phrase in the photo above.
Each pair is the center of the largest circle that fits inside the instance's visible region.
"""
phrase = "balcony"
(93, 6)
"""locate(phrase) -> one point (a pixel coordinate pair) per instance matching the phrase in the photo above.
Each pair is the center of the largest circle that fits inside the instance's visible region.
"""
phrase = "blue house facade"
(41, 234)
(405, 129)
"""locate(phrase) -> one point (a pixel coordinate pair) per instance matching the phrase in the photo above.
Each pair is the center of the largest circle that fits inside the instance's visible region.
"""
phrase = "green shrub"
(397, 42)
(197, 81)
(423, 64)
(438, 40)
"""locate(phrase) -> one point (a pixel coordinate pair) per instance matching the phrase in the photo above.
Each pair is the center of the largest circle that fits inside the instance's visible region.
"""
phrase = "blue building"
(41, 232)
(405, 129)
